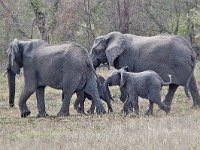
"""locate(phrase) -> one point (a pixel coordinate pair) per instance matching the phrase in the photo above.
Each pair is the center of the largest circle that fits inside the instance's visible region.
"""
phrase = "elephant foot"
(11, 105)
(149, 113)
(100, 110)
(25, 113)
(167, 109)
(125, 111)
(42, 115)
(195, 107)
(79, 110)
(90, 111)
(110, 109)
(63, 114)
(130, 108)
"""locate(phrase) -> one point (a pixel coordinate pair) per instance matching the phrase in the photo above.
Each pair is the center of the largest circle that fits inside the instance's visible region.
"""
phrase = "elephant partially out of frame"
(104, 94)
(164, 54)
(66, 66)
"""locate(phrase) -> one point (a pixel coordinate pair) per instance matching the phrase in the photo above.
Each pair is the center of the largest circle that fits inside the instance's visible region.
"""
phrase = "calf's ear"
(122, 78)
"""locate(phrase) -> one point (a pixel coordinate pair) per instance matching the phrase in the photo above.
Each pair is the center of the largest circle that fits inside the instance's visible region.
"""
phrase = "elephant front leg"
(126, 105)
(41, 102)
(26, 93)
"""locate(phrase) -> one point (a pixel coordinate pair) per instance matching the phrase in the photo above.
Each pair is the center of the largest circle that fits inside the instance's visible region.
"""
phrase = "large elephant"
(164, 54)
(66, 66)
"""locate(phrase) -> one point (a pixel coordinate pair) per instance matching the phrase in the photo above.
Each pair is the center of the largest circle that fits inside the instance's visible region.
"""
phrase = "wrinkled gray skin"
(146, 84)
(66, 66)
(164, 54)
(103, 93)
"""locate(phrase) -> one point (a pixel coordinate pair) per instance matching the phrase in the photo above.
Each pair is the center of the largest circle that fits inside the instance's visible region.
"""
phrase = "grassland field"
(180, 130)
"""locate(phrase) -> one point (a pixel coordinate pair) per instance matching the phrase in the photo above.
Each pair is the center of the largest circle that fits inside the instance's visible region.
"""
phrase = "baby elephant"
(146, 84)
(103, 93)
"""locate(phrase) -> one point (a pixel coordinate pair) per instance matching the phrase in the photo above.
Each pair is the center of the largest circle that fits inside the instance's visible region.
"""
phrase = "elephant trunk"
(107, 97)
(11, 84)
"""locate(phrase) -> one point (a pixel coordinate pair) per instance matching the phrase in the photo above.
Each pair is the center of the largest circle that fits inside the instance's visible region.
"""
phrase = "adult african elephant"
(165, 54)
(66, 66)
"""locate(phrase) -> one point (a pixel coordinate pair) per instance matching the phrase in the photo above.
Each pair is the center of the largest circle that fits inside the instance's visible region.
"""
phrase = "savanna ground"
(178, 130)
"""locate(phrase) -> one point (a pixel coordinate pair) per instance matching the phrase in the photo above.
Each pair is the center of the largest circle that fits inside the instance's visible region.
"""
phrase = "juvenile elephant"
(66, 66)
(146, 84)
(103, 93)
(164, 54)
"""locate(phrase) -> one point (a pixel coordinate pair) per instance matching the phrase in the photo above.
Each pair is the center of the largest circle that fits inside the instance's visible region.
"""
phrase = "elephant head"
(16, 52)
(13, 67)
(117, 77)
(107, 48)
(14, 57)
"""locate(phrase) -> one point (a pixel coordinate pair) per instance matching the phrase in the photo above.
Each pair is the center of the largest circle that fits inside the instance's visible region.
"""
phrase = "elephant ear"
(14, 56)
(116, 43)
(123, 78)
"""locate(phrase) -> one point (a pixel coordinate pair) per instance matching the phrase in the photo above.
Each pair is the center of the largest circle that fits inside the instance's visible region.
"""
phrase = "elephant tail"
(170, 80)
(186, 87)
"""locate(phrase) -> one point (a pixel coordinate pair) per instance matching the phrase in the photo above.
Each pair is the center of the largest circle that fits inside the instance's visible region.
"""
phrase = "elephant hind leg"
(64, 111)
(150, 110)
(41, 102)
(194, 92)
(91, 89)
(155, 97)
(79, 101)
(171, 91)
(69, 88)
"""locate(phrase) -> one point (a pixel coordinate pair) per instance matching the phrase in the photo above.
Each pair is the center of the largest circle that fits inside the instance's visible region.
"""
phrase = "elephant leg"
(131, 99)
(64, 111)
(126, 105)
(194, 92)
(79, 101)
(110, 109)
(108, 102)
(26, 93)
(135, 105)
(41, 102)
(155, 97)
(92, 108)
(170, 94)
(91, 89)
(163, 106)
(150, 110)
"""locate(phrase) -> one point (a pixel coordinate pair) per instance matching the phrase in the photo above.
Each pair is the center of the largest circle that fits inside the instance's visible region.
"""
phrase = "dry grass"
(178, 130)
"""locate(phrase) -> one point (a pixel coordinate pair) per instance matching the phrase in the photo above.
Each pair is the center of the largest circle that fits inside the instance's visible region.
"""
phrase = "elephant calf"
(146, 84)
(103, 93)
